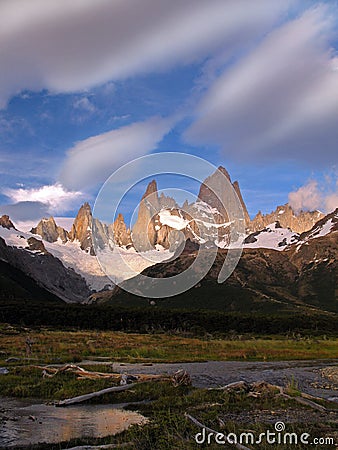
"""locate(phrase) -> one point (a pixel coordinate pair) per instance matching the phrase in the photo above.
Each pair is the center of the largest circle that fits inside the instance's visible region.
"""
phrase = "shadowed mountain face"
(300, 275)
(16, 285)
(47, 271)
(303, 278)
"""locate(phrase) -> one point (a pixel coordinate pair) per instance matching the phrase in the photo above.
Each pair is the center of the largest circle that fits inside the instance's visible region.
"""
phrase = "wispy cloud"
(278, 102)
(92, 160)
(84, 104)
(68, 46)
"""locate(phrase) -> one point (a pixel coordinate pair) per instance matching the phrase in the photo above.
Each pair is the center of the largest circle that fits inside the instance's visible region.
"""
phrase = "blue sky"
(88, 86)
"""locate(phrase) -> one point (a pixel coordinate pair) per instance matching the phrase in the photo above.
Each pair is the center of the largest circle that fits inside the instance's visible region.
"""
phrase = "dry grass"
(65, 346)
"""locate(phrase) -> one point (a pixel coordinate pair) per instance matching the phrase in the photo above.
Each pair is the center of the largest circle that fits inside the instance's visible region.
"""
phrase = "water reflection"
(25, 422)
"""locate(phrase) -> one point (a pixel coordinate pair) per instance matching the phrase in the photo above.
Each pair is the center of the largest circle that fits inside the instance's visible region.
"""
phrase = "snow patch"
(273, 237)
(173, 221)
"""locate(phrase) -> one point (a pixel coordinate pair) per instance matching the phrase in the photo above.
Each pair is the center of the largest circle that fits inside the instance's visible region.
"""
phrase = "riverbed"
(24, 422)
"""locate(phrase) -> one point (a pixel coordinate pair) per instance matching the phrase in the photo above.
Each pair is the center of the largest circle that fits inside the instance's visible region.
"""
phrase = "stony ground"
(319, 378)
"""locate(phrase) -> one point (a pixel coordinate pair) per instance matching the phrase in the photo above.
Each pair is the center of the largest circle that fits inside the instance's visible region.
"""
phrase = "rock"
(121, 233)
(144, 233)
(202, 219)
(251, 239)
(6, 222)
(101, 233)
(36, 245)
(215, 183)
(235, 185)
(330, 222)
(287, 218)
(4, 371)
(49, 231)
(186, 248)
(82, 229)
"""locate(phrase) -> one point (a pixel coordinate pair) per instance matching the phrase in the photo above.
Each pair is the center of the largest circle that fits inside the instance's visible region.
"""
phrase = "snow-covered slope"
(198, 221)
(69, 254)
(326, 225)
(121, 264)
(273, 236)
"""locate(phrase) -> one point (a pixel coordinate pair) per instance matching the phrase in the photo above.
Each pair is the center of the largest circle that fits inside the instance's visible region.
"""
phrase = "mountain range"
(288, 261)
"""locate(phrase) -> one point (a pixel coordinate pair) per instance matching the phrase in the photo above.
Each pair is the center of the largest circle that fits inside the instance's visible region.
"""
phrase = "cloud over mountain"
(67, 46)
(280, 102)
(313, 195)
(92, 160)
(52, 198)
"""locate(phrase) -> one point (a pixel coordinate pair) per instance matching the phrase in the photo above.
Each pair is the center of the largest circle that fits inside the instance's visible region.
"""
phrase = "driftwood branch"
(81, 373)
(83, 398)
(126, 381)
(308, 400)
(101, 447)
(179, 378)
(210, 430)
(235, 385)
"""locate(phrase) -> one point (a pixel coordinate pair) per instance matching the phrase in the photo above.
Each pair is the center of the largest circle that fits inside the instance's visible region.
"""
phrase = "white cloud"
(84, 104)
(91, 161)
(278, 102)
(55, 197)
(67, 46)
(307, 197)
(331, 201)
(313, 196)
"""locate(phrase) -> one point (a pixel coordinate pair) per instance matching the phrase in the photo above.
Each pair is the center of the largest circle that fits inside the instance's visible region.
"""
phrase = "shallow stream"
(26, 421)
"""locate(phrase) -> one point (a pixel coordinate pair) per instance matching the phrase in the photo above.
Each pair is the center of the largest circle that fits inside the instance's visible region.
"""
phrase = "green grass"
(165, 406)
(168, 428)
(51, 346)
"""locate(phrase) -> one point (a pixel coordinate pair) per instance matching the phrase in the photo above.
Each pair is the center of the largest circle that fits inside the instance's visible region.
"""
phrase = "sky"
(86, 87)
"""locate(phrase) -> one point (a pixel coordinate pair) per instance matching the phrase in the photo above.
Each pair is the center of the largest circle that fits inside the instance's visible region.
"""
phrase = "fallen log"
(256, 387)
(179, 378)
(83, 398)
(51, 372)
(101, 447)
(234, 385)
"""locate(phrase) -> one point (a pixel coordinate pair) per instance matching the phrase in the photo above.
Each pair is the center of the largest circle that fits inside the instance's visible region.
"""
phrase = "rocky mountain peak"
(151, 189)
(6, 222)
(122, 235)
(50, 231)
(144, 233)
(235, 185)
(288, 218)
(322, 227)
(223, 171)
(82, 228)
(216, 183)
